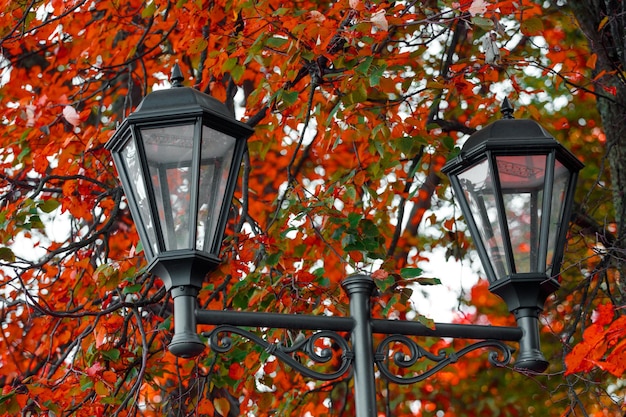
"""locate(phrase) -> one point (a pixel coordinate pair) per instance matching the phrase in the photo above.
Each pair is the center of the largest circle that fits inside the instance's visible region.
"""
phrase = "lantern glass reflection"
(187, 211)
(216, 156)
(510, 221)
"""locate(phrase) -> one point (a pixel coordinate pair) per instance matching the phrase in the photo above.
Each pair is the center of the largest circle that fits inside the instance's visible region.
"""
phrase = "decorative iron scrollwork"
(220, 342)
(500, 355)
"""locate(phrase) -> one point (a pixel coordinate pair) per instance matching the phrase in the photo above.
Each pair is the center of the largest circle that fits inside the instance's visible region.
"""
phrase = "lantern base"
(185, 343)
(530, 358)
(525, 295)
(534, 363)
(183, 267)
(524, 290)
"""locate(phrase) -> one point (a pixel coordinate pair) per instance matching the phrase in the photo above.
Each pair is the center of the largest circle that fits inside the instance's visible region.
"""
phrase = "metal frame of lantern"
(507, 177)
(178, 157)
(347, 339)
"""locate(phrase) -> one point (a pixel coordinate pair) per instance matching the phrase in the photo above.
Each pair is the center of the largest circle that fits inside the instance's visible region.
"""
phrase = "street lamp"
(515, 184)
(178, 157)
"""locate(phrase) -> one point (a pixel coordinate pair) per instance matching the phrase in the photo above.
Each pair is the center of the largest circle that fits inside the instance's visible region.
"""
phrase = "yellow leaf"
(100, 388)
(221, 405)
(198, 45)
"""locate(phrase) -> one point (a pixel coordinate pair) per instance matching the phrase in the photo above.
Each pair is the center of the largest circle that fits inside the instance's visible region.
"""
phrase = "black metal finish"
(530, 357)
(352, 338)
(386, 353)
(455, 331)
(275, 320)
(360, 289)
(186, 343)
(221, 342)
(515, 137)
(346, 324)
(348, 339)
(518, 159)
(199, 113)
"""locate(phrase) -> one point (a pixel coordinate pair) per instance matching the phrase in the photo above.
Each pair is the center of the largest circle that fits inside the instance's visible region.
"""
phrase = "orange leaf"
(591, 61)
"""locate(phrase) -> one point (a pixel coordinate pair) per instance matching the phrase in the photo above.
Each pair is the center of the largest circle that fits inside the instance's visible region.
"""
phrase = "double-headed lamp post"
(178, 157)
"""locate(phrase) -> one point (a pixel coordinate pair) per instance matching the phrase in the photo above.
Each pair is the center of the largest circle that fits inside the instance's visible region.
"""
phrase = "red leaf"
(235, 371)
(94, 369)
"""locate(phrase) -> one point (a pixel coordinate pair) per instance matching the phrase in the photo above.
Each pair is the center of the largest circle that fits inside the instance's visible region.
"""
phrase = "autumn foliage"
(356, 106)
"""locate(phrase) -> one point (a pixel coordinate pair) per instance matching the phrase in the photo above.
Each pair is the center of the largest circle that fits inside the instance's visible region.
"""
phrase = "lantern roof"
(515, 130)
(509, 135)
(180, 100)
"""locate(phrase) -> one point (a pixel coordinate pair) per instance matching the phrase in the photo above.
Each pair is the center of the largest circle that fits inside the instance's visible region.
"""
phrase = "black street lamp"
(178, 157)
(515, 184)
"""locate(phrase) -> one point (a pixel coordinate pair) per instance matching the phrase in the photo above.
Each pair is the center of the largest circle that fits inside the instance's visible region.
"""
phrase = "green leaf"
(430, 323)
(281, 11)
(289, 97)
(273, 258)
(36, 223)
(198, 45)
(108, 276)
(486, 24)
(275, 42)
(387, 283)
(10, 404)
(428, 281)
(407, 273)
(364, 66)
(353, 220)
(48, 206)
(237, 73)
(85, 383)
(369, 228)
(376, 74)
(25, 151)
(132, 289)
(6, 254)
(229, 64)
(165, 324)
(359, 95)
(112, 355)
(100, 388)
(149, 10)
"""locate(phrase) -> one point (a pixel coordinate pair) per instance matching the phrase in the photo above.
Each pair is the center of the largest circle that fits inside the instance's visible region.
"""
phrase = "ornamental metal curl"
(222, 344)
(499, 356)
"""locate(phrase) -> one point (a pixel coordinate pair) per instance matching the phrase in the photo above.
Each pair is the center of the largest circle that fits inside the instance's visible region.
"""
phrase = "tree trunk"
(604, 24)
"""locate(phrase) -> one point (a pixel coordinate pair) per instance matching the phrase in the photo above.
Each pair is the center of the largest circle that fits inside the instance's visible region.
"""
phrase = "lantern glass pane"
(477, 183)
(522, 183)
(169, 152)
(132, 165)
(561, 184)
(217, 152)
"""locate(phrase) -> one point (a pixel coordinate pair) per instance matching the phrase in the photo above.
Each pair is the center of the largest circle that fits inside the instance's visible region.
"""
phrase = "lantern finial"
(506, 109)
(177, 76)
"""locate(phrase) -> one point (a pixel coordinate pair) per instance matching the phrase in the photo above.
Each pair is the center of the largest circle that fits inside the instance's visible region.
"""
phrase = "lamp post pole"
(359, 355)
(360, 289)
(178, 157)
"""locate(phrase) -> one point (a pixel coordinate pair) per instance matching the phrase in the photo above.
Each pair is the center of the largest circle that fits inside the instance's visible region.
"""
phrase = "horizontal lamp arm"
(455, 331)
(274, 320)
(346, 324)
